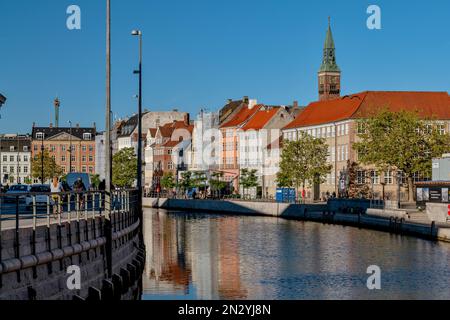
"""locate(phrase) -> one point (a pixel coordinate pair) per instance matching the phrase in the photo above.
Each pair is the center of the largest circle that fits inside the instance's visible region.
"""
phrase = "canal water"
(204, 256)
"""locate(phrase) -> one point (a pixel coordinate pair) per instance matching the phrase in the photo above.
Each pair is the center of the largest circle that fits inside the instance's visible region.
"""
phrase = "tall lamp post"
(108, 164)
(138, 33)
(42, 158)
(70, 146)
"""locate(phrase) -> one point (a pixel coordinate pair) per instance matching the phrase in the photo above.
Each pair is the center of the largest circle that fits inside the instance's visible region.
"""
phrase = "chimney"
(95, 126)
(295, 104)
(186, 119)
(51, 125)
(252, 103)
(34, 124)
(245, 99)
(78, 125)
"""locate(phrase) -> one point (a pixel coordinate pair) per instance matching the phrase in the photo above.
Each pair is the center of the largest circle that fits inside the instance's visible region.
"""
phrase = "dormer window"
(11, 148)
(25, 148)
(40, 135)
(87, 136)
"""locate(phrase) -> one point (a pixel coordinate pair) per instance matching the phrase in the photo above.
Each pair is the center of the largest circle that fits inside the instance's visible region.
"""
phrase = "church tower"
(329, 73)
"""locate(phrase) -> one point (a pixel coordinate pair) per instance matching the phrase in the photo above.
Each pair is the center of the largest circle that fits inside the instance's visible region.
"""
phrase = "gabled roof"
(261, 118)
(360, 105)
(241, 117)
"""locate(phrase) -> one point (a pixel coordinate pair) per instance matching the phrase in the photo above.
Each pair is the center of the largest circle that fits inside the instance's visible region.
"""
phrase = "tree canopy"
(124, 168)
(303, 161)
(51, 169)
(402, 141)
(168, 181)
(248, 179)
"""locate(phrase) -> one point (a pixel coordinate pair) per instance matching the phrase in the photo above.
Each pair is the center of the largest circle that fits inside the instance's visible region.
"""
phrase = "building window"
(25, 148)
(52, 148)
(5, 169)
(25, 169)
(91, 170)
(91, 148)
(63, 168)
(388, 177)
(25, 158)
(83, 158)
(73, 159)
(63, 148)
(375, 177)
(91, 158)
(5, 159)
(54, 157)
(72, 169)
(169, 152)
(63, 158)
(11, 169)
(83, 148)
(11, 158)
(170, 165)
(11, 148)
(35, 147)
(83, 169)
(40, 135)
(87, 136)
(361, 177)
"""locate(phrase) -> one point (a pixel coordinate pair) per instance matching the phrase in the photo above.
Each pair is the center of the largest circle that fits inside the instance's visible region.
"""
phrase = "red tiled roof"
(261, 118)
(428, 104)
(171, 143)
(241, 117)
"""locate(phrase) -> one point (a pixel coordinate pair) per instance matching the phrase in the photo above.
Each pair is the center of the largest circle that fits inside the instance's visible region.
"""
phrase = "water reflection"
(199, 256)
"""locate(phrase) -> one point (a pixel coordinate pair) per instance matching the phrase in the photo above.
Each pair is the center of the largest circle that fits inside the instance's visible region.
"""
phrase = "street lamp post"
(42, 158)
(108, 164)
(138, 33)
(70, 146)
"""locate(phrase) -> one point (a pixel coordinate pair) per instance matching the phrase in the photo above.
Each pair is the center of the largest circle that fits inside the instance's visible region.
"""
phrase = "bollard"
(107, 292)
(94, 294)
(118, 286)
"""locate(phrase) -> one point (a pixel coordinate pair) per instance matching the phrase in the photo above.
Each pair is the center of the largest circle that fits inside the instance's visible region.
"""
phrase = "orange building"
(73, 149)
(230, 140)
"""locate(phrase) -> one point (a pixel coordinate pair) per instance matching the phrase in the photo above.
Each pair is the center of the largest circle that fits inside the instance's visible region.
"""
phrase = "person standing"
(56, 189)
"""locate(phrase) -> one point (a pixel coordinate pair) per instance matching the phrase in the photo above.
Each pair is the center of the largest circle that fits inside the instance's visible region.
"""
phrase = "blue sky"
(198, 53)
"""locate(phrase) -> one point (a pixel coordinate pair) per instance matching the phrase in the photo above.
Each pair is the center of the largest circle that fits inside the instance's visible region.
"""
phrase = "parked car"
(14, 191)
(41, 199)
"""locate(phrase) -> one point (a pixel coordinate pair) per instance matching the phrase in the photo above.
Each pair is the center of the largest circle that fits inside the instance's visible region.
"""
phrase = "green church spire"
(329, 53)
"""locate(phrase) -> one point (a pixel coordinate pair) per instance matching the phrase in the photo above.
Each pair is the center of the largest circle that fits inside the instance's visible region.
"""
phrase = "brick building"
(72, 148)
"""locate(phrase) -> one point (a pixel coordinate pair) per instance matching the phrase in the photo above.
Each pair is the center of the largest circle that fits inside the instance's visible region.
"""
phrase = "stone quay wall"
(34, 262)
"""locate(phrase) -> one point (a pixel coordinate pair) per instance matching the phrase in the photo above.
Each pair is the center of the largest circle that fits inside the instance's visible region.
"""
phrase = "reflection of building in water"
(166, 269)
(230, 286)
(202, 247)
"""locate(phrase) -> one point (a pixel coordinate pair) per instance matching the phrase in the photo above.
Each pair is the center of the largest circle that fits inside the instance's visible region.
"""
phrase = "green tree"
(303, 161)
(199, 179)
(186, 182)
(400, 141)
(216, 183)
(95, 180)
(168, 181)
(124, 168)
(51, 169)
(248, 179)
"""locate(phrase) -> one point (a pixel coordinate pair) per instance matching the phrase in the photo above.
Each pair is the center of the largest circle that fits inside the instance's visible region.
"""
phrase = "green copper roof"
(329, 42)
(329, 54)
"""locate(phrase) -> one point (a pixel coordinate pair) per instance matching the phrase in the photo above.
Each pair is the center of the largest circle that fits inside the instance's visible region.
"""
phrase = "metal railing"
(33, 209)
